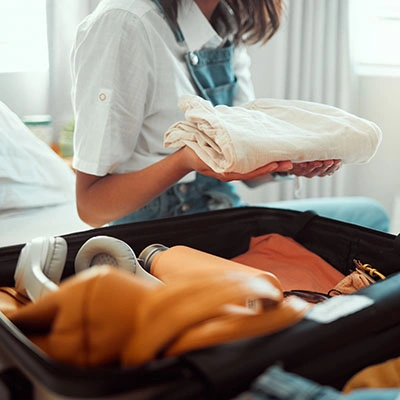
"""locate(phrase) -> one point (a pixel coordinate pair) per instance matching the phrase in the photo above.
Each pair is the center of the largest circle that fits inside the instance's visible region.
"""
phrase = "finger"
(272, 167)
(284, 166)
(330, 171)
(324, 168)
(234, 176)
(277, 166)
(265, 170)
(307, 169)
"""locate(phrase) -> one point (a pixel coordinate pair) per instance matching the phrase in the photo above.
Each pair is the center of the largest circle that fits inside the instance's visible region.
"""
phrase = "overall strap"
(175, 28)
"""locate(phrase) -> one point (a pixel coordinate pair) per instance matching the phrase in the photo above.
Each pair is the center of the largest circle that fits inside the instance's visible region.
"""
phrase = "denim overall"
(212, 73)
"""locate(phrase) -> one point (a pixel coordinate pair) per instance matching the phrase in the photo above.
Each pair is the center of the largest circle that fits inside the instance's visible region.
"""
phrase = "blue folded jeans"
(362, 211)
(276, 384)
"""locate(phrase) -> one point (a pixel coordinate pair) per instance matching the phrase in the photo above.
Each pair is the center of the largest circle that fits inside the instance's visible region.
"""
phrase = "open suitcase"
(326, 352)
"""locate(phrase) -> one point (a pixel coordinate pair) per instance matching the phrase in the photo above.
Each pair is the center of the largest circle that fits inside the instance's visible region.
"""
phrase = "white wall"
(25, 93)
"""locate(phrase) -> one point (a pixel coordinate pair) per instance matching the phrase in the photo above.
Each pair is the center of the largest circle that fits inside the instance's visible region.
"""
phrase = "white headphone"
(41, 262)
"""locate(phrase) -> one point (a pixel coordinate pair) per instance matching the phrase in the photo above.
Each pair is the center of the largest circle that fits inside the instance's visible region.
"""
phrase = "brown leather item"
(107, 315)
(295, 266)
(350, 284)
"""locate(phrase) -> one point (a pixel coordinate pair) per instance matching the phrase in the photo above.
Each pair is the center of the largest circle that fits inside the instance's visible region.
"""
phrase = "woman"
(131, 62)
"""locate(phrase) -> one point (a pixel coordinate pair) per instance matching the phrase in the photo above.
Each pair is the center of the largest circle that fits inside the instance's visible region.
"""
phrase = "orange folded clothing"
(173, 261)
(11, 300)
(107, 315)
(295, 266)
(239, 325)
(377, 376)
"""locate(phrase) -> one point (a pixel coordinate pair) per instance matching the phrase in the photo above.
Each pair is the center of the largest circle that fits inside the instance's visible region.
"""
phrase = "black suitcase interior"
(327, 353)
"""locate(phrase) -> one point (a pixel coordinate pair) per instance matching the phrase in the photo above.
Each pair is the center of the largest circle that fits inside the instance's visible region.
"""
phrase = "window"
(23, 35)
(375, 32)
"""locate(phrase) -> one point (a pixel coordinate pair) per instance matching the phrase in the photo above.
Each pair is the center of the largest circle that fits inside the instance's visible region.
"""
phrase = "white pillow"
(31, 173)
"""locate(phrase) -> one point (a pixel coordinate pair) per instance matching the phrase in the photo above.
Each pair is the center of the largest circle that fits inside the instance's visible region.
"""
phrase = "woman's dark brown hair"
(254, 20)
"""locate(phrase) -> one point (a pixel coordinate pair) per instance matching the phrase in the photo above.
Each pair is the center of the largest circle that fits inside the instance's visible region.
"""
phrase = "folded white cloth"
(241, 139)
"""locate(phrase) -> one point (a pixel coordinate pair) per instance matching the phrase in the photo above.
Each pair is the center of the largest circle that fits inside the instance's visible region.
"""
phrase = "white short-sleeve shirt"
(128, 72)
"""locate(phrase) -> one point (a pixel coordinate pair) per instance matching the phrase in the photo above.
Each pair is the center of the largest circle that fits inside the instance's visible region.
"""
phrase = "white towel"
(241, 139)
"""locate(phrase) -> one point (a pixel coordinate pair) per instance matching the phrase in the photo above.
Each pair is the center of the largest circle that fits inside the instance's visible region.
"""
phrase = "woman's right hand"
(318, 168)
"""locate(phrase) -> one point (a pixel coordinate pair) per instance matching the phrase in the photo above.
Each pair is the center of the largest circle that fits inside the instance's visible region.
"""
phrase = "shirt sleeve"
(111, 77)
(241, 65)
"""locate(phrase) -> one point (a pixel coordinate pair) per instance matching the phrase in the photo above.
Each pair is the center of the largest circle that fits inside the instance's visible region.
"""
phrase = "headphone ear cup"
(40, 266)
(56, 257)
(105, 250)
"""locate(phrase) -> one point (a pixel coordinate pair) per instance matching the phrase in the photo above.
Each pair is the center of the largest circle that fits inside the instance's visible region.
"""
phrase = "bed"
(37, 187)
(23, 225)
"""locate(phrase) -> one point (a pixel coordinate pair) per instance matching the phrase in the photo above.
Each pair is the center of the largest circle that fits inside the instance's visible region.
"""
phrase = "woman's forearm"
(104, 199)
(101, 200)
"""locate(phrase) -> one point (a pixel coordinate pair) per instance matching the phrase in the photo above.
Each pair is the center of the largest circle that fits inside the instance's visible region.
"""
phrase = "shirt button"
(183, 188)
(194, 58)
(102, 97)
(185, 207)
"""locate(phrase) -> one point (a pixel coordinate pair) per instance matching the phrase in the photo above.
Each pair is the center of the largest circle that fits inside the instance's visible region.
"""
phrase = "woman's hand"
(308, 169)
(257, 173)
(196, 164)
(316, 168)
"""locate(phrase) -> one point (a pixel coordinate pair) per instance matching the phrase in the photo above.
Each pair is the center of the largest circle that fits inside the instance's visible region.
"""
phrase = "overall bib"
(212, 73)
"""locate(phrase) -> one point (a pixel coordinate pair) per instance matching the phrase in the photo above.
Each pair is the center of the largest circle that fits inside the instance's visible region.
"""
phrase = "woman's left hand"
(316, 168)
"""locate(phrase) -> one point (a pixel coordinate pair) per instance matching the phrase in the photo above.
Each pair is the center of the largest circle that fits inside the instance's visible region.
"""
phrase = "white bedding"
(37, 187)
(20, 226)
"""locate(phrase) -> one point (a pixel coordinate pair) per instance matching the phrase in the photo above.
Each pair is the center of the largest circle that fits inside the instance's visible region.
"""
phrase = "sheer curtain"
(308, 59)
(63, 16)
